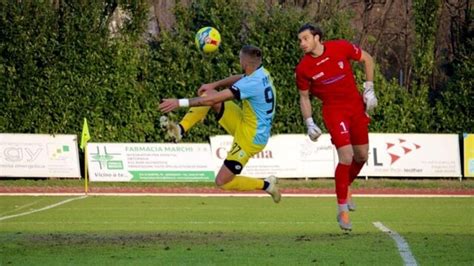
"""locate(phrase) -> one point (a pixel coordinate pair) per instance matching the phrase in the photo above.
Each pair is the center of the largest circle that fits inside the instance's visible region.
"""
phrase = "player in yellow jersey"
(250, 125)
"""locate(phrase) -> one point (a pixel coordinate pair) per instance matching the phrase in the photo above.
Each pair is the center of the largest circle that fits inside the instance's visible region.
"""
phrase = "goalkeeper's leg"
(361, 154)
(360, 147)
(342, 185)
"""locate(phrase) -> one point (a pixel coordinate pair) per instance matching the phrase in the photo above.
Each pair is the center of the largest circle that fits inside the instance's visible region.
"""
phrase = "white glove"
(369, 96)
(313, 130)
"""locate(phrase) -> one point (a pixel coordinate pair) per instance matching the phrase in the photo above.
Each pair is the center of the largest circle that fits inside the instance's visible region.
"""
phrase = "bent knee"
(361, 158)
(220, 182)
(345, 159)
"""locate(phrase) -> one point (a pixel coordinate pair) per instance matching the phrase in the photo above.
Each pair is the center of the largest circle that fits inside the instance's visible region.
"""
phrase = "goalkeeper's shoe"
(272, 188)
(350, 202)
(344, 221)
(173, 130)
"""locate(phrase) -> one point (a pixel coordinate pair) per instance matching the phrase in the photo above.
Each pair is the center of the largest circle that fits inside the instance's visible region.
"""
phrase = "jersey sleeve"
(245, 88)
(301, 81)
(352, 51)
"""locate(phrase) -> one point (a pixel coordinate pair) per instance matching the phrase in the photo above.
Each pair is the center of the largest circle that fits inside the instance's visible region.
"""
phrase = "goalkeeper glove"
(369, 96)
(313, 130)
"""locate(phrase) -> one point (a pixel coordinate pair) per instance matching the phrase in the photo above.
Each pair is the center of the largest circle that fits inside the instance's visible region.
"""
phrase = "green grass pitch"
(108, 230)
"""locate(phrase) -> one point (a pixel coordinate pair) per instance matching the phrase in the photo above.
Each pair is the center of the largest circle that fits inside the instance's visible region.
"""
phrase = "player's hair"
(253, 53)
(313, 29)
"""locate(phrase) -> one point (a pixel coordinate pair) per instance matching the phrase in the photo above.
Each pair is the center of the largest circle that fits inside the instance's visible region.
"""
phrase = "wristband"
(309, 122)
(368, 85)
(183, 102)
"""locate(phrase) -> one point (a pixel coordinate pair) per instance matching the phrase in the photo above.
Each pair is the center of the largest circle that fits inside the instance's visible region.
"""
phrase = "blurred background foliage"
(62, 61)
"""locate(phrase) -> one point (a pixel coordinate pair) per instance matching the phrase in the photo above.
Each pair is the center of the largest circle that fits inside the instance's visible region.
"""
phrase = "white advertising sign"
(417, 155)
(289, 155)
(149, 162)
(39, 155)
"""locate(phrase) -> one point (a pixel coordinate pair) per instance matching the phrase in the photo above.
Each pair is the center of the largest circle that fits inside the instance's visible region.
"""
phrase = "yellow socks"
(244, 183)
(194, 115)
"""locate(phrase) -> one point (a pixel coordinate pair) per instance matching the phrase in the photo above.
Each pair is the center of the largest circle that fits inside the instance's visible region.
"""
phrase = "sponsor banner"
(289, 155)
(468, 154)
(149, 162)
(39, 155)
(417, 155)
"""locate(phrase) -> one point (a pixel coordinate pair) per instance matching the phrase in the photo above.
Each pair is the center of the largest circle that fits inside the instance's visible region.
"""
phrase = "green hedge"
(58, 66)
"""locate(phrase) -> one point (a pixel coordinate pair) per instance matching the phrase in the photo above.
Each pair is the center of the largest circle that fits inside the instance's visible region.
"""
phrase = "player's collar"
(316, 56)
(260, 66)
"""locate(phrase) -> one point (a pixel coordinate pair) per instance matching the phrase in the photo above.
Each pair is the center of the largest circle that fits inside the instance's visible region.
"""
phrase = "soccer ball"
(207, 39)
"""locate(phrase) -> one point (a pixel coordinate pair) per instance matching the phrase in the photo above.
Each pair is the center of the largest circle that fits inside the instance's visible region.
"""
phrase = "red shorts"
(347, 126)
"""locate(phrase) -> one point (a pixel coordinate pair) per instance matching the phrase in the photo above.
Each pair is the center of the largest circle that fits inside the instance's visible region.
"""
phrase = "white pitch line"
(20, 207)
(289, 195)
(402, 245)
(42, 209)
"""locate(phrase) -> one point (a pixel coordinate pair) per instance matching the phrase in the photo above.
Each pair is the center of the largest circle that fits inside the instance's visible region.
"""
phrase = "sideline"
(42, 209)
(20, 207)
(402, 245)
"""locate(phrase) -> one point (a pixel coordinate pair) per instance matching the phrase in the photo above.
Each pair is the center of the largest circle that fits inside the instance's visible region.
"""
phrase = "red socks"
(342, 182)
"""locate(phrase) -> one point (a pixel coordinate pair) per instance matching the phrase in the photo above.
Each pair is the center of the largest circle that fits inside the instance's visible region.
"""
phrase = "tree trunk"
(163, 10)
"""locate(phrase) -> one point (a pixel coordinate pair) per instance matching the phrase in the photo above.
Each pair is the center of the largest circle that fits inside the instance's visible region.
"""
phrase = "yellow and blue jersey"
(258, 96)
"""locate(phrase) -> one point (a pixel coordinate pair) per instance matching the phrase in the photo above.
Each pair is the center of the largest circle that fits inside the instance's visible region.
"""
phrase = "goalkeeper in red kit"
(325, 72)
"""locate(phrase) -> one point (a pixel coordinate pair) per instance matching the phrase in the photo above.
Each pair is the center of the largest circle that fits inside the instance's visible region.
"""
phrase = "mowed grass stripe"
(235, 231)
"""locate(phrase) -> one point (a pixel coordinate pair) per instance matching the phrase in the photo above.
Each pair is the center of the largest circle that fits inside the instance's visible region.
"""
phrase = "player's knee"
(361, 157)
(234, 166)
(345, 159)
(220, 182)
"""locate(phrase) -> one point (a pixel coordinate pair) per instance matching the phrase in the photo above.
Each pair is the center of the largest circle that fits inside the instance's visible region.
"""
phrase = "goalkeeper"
(250, 125)
(325, 72)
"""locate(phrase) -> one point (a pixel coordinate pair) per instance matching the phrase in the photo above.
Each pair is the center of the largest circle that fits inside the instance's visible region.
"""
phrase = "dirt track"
(194, 190)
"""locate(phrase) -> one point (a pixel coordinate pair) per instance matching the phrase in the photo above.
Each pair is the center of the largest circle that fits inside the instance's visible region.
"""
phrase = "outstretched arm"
(369, 65)
(168, 105)
(227, 82)
(314, 132)
(305, 105)
(370, 99)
